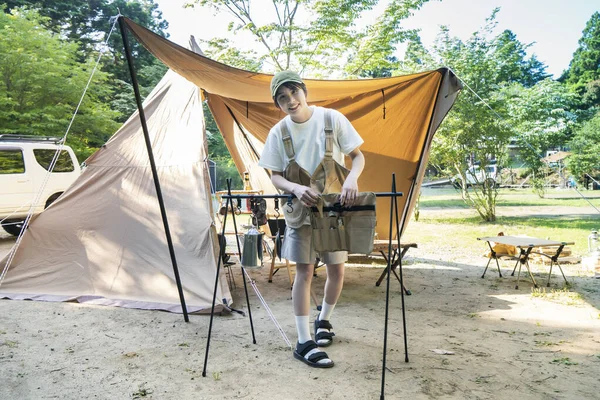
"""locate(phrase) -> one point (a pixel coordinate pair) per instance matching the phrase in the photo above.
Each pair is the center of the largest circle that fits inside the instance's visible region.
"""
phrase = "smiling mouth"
(293, 108)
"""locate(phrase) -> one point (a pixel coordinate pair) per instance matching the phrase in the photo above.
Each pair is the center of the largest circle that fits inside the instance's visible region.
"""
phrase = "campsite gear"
(593, 242)
(243, 108)
(259, 211)
(525, 245)
(247, 187)
(253, 249)
(327, 336)
(329, 176)
(278, 240)
(313, 360)
(338, 228)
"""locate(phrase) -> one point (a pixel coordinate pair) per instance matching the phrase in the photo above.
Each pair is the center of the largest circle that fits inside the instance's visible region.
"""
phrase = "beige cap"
(282, 77)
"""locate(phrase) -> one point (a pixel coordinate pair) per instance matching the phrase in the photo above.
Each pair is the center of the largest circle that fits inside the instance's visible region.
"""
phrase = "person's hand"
(306, 195)
(349, 192)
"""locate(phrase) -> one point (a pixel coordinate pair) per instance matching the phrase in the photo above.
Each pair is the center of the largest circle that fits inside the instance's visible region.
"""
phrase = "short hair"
(291, 86)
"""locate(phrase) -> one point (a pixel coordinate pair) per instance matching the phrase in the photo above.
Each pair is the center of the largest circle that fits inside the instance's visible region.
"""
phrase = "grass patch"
(563, 361)
(561, 296)
(451, 198)
(141, 392)
(546, 343)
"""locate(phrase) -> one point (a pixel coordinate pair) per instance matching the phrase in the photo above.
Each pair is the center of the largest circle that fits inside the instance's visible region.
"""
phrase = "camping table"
(525, 246)
(382, 247)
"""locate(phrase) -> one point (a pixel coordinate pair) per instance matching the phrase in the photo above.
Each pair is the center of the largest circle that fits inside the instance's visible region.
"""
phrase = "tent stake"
(163, 212)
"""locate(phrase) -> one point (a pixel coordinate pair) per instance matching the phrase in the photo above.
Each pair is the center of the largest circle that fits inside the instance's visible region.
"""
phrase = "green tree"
(42, 82)
(585, 65)
(224, 51)
(482, 121)
(88, 23)
(217, 152)
(328, 41)
(514, 64)
(585, 146)
(540, 118)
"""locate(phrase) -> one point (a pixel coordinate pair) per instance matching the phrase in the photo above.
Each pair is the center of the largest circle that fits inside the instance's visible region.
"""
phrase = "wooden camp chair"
(382, 247)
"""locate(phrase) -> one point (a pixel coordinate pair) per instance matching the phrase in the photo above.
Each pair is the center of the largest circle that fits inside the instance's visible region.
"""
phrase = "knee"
(335, 272)
(304, 272)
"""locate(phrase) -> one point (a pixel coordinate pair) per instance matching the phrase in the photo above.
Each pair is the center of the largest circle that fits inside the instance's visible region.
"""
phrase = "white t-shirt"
(308, 139)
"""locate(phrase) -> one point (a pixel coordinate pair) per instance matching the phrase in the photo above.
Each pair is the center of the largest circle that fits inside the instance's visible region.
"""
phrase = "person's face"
(293, 102)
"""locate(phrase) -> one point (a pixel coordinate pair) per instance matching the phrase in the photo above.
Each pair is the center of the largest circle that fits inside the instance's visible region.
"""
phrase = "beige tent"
(103, 240)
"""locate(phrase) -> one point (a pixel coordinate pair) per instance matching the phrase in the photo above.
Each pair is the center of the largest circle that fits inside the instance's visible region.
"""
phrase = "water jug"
(252, 250)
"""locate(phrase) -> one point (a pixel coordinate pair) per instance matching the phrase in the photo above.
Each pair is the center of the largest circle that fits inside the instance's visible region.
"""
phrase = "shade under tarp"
(397, 117)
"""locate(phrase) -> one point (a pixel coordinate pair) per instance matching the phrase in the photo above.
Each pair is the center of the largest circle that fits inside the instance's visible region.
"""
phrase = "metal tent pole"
(229, 202)
(387, 289)
(163, 212)
(237, 239)
(401, 279)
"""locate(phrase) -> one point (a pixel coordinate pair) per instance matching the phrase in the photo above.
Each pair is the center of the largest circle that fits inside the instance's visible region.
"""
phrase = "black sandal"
(328, 336)
(313, 360)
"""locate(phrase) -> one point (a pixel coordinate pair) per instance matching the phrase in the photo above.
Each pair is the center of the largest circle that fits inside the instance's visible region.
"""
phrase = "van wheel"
(490, 183)
(12, 227)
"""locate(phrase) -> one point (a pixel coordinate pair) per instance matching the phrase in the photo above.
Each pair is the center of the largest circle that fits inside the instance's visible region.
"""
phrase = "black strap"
(337, 207)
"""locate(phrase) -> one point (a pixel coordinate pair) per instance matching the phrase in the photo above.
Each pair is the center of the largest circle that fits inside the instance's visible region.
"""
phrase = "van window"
(11, 162)
(63, 164)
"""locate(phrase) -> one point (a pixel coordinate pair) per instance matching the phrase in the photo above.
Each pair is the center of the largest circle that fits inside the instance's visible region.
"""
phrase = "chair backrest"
(222, 246)
(275, 224)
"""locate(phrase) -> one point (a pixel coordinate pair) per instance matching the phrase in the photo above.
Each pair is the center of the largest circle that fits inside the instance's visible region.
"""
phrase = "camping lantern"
(252, 250)
(593, 242)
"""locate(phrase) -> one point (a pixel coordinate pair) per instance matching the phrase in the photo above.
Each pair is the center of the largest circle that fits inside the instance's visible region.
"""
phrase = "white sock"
(326, 311)
(303, 328)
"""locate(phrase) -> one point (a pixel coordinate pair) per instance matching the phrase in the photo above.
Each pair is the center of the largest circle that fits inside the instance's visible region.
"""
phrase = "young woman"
(300, 152)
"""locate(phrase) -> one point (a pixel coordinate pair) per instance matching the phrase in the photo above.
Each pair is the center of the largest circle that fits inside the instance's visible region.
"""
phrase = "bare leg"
(334, 283)
(301, 289)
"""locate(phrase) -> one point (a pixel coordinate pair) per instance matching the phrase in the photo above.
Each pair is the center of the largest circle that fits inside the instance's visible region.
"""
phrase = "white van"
(476, 176)
(24, 164)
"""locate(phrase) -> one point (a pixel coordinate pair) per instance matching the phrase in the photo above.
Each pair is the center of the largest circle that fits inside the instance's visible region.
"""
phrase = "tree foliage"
(505, 93)
(585, 146)
(88, 23)
(42, 82)
(585, 65)
(327, 42)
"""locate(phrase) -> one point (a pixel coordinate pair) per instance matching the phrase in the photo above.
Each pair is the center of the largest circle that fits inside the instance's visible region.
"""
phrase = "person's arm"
(307, 196)
(350, 187)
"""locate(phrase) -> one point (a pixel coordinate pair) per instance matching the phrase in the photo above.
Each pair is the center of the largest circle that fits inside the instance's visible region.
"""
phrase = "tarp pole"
(387, 289)
(401, 277)
(163, 212)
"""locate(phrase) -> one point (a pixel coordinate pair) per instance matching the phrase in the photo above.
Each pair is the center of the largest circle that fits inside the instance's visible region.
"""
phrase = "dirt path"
(505, 343)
